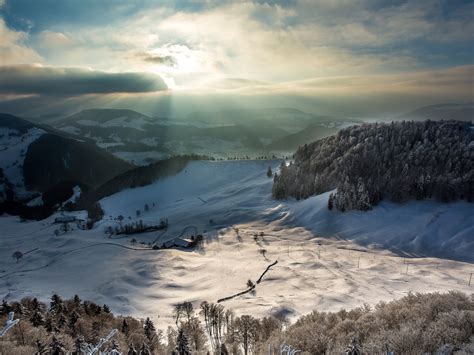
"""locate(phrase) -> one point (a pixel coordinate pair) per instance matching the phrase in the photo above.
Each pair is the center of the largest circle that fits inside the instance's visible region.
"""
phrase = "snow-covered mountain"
(35, 159)
(141, 139)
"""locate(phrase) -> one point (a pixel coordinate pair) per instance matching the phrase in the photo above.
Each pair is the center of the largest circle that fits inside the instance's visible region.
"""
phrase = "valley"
(327, 260)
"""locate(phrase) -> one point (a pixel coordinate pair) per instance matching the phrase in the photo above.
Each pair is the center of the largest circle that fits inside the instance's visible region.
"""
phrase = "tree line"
(397, 161)
(414, 324)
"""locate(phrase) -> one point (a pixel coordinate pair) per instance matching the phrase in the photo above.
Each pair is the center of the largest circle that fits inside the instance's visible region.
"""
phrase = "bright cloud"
(306, 47)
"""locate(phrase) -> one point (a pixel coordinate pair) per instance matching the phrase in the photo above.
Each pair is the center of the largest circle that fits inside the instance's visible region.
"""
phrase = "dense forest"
(415, 324)
(397, 161)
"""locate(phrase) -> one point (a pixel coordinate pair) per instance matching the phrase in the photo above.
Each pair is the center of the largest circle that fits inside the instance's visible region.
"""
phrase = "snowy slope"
(13, 147)
(326, 260)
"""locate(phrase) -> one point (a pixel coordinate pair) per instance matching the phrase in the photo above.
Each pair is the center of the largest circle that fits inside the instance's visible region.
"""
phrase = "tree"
(182, 344)
(56, 347)
(269, 172)
(106, 308)
(37, 319)
(144, 349)
(132, 350)
(79, 345)
(73, 317)
(115, 348)
(247, 331)
(17, 255)
(330, 201)
(40, 348)
(354, 348)
(150, 334)
(125, 327)
(56, 305)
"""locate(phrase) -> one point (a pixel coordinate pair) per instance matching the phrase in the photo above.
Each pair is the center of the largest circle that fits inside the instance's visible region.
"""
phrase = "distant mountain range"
(450, 111)
(141, 139)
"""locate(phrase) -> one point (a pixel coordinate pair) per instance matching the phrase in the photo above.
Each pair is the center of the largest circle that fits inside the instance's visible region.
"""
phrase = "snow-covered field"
(326, 259)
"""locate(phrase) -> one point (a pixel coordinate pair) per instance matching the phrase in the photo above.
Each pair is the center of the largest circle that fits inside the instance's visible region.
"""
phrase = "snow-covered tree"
(182, 347)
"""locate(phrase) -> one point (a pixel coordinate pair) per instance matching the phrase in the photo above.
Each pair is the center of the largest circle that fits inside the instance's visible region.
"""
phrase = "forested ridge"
(396, 161)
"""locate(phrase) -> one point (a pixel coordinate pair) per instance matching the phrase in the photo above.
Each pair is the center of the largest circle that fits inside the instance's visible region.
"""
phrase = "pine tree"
(79, 345)
(331, 201)
(56, 347)
(37, 319)
(269, 172)
(77, 301)
(5, 308)
(149, 329)
(106, 308)
(61, 321)
(56, 304)
(125, 327)
(73, 317)
(182, 346)
(48, 324)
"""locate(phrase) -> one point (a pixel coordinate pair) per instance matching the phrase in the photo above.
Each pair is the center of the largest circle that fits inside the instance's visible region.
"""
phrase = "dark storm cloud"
(158, 59)
(31, 79)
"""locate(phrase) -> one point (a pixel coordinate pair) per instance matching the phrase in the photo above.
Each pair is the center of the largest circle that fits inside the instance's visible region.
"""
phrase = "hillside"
(140, 139)
(35, 160)
(325, 258)
(451, 111)
(309, 134)
(397, 161)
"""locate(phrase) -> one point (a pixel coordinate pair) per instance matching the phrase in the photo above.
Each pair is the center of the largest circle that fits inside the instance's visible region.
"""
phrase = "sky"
(342, 57)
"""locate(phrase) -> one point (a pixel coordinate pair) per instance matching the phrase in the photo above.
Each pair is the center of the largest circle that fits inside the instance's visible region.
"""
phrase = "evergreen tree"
(5, 308)
(73, 317)
(330, 201)
(125, 327)
(37, 319)
(182, 346)
(56, 305)
(79, 345)
(269, 172)
(149, 329)
(56, 347)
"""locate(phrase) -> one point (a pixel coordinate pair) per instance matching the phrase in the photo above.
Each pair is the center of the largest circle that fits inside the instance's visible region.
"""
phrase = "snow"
(123, 121)
(37, 201)
(326, 260)
(13, 148)
(76, 193)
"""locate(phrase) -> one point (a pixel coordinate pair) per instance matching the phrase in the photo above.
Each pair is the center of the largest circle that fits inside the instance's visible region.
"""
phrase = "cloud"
(13, 49)
(40, 80)
(166, 60)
